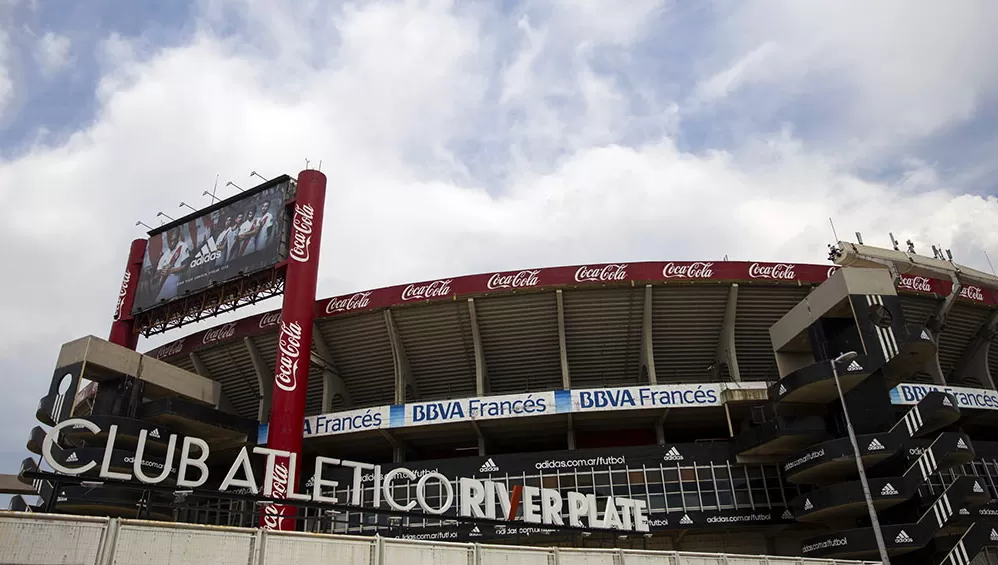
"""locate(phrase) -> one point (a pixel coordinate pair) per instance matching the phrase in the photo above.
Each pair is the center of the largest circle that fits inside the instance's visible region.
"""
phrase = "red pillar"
(287, 412)
(123, 328)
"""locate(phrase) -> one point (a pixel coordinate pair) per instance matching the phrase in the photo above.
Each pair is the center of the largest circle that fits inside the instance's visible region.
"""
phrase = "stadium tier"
(709, 392)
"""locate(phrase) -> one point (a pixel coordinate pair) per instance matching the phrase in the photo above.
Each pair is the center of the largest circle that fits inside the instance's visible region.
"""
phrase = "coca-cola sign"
(916, 283)
(289, 352)
(424, 291)
(521, 279)
(220, 333)
(273, 514)
(831, 271)
(696, 270)
(121, 295)
(171, 349)
(301, 232)
(607, 273)
(270, 319)
(355, 301)
(974, 293)
(775, 271)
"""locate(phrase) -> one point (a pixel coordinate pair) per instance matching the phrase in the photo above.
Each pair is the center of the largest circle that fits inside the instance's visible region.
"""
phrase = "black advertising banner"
(231, 239)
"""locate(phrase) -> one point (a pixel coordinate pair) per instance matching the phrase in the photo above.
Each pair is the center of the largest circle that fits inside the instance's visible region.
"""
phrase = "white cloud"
(53, 53)
(456, 142)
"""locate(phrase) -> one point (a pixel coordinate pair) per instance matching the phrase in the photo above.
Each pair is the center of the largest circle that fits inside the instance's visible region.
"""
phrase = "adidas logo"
(673, 455)
(685, 519)
(154, 433)
(903, 537)
(311, 482)
(787, 515)
(964, 512)
(783, 390)
(994, 535)
(208, 253)
(961, 444)
(946, 402)
(888, 490)
(925, 335)
(475, 531)
(875, 445)
(854, 366)
(489, 467)
(977, 487)
(807, 504)
(72, 458)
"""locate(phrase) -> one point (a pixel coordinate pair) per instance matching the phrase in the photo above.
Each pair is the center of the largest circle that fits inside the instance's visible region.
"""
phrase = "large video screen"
(231, 239)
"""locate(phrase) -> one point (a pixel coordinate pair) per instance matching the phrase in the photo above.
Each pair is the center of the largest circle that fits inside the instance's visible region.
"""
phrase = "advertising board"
(972, 398)
(231, 239)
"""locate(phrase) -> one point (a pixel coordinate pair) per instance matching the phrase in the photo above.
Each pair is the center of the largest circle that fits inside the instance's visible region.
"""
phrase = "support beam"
(264, 380)
(937, 324)
(647, 366)
(398, 450)
(333, 384)
(972, 367)
(566, 376)
(482, 441)
(405, 385)
(199, 367)
(660, 427)
(726, 343)
(570, 433)
(482, 385)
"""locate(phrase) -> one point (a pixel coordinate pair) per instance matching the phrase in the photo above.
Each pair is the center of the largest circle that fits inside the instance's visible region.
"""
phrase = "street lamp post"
(874, 521)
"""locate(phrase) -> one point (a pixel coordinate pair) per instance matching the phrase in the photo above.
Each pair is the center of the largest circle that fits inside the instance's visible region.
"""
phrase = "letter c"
(51, 437)
(386, 486)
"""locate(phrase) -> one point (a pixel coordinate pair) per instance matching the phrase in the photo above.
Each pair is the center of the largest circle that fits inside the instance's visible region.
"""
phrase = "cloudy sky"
(463, 136)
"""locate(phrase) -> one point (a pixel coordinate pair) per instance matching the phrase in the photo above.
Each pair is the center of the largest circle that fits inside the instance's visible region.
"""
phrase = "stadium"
(707, 391)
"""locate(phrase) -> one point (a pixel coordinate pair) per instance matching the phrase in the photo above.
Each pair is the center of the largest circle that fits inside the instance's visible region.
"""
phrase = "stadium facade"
(708, 391)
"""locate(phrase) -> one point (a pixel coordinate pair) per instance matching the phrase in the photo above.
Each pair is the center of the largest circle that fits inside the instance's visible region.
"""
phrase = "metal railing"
(43, 539)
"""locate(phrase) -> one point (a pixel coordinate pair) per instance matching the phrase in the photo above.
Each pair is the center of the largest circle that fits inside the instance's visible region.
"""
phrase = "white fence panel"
(282, 548)
(506, 555)
(410, 552)
(650, 558)
(704, 559)
(587, 556)
(148, 544)
(44, 540)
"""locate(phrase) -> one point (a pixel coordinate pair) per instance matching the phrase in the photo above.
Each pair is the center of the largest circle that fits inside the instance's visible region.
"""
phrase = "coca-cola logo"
(435, 289)
(919, 284)
(219, 333)
(697, 270)
(522, 279)
(348, 303)
(289, 351)
(831, 271)
(301, 233)
(606, 273)
(122, 292)
(975, 293)
(171, 349)
(776, 271)
(270, 319)
(273, 514)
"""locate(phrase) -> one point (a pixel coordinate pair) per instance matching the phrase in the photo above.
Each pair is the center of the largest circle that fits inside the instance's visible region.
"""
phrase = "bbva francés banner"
(474, 498)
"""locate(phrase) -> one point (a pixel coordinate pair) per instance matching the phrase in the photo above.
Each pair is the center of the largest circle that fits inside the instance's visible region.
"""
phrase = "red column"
(123, 327)
(287, 412)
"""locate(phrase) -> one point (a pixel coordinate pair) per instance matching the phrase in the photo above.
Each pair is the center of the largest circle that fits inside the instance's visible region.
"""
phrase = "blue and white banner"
(518, 406)
(972, 398)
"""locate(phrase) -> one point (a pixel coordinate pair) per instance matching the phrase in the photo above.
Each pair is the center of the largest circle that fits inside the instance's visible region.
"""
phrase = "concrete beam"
(482, 440)
(405, 385)
(660, 427)
(973, 362)
(264, 380)
(566, 376)
(224, 404)
(570, 433)
(726, 343)
(333, 384)
(647, 365)
(482, 385)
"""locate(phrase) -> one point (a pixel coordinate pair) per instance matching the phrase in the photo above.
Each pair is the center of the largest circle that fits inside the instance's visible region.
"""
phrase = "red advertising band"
(294, 343)
(676, 272)
(123, 328)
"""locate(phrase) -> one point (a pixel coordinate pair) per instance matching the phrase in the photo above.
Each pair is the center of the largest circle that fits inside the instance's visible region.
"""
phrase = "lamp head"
(846, 357)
